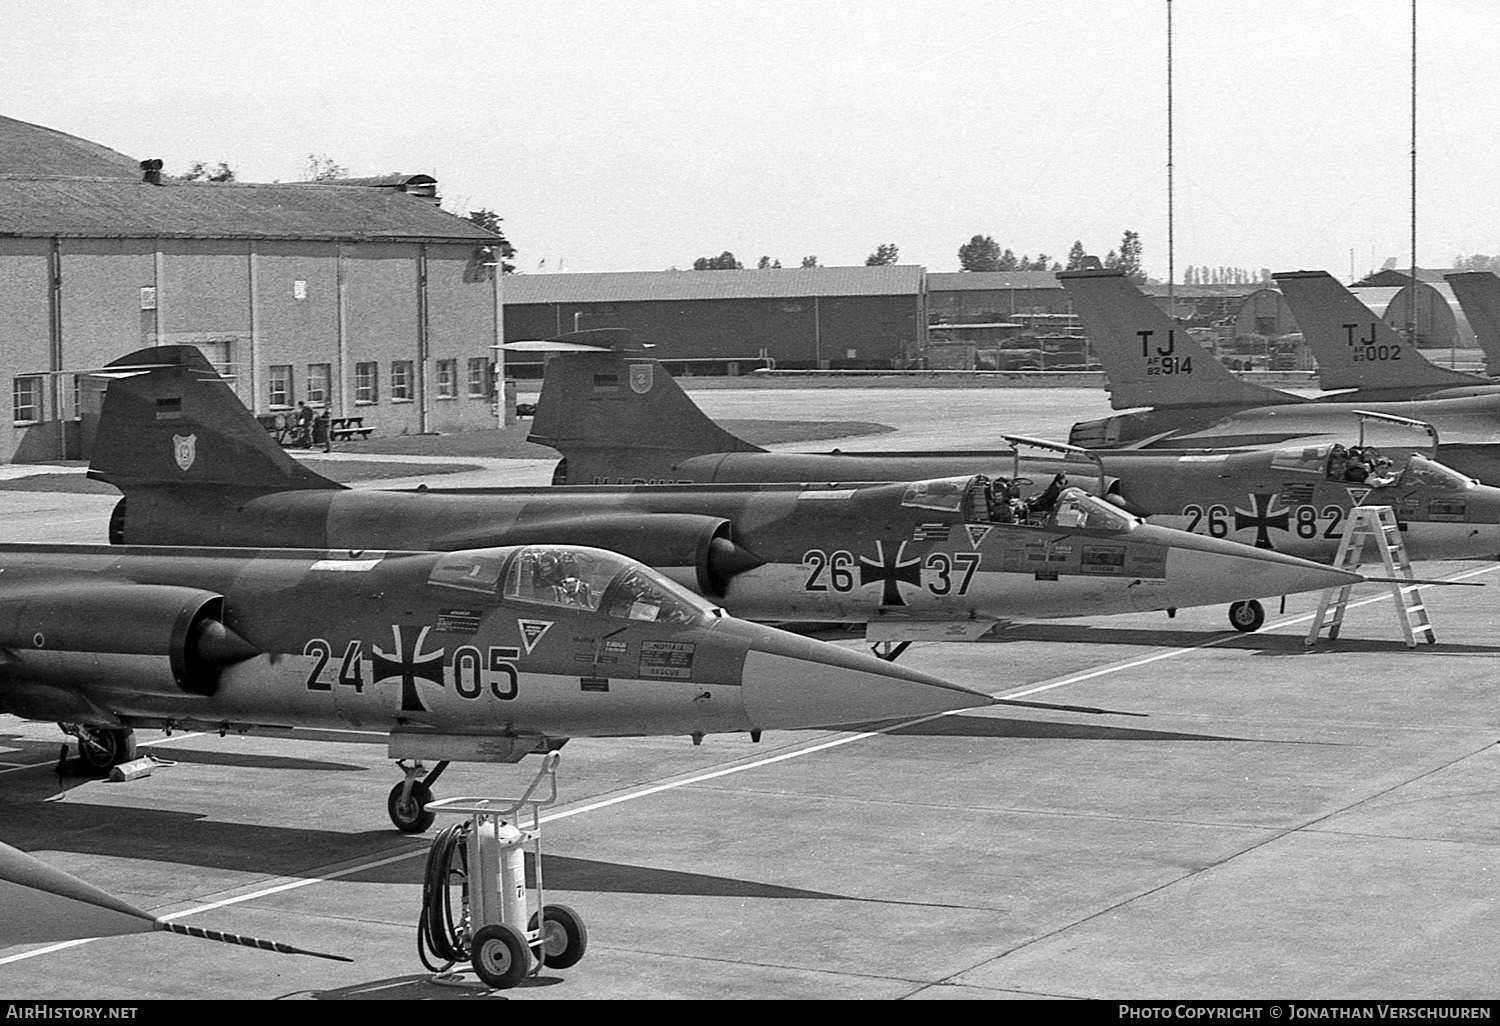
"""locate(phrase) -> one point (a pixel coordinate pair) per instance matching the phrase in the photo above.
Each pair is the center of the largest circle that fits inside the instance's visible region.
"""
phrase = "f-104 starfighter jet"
(945, 558)
(481, 655)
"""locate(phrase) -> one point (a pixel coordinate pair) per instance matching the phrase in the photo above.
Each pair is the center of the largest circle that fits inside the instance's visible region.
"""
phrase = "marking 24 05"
(1302, 520)
(949, 573)
(468, 666)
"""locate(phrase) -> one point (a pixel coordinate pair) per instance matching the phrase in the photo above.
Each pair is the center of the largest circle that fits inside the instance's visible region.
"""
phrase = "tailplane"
(174, 421)
(1149, 359)
(1354, 347)
(616, 415)
(1478, 293)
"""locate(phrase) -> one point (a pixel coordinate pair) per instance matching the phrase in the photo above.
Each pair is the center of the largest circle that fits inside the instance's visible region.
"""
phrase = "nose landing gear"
(408, 801)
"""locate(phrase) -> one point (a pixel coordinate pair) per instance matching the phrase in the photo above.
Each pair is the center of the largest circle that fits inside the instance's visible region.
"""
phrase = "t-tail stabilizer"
(1354, 347)
(177, 422)
(1478, 293)
(617, 415)
(1149, 359)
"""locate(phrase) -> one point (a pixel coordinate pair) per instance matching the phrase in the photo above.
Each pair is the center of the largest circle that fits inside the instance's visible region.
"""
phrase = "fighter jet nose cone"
(1203, 571)
(792, 682)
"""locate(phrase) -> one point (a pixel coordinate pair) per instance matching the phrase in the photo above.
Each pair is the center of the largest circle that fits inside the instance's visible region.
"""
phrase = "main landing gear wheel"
(1247, 616)
(500, 955)
(564, 937)
(103, 750)
(409, 812)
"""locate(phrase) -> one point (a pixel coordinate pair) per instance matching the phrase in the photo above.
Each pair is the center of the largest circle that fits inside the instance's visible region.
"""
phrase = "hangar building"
(814, 317)
(361, 297)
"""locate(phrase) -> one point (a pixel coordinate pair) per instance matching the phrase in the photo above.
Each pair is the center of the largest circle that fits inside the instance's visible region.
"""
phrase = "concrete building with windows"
(815, 317)
(360, 297)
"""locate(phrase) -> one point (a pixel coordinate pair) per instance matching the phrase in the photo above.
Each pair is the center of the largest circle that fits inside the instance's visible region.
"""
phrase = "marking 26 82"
(1218, 521)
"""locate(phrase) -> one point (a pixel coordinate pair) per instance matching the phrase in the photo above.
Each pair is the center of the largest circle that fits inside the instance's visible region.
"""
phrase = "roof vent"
(151, 171)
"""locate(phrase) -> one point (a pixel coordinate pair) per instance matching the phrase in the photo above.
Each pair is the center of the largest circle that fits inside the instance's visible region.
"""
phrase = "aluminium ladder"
(1377, 524)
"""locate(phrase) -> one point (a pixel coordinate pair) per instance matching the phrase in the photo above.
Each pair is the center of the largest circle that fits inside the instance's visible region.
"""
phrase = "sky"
(615, 135)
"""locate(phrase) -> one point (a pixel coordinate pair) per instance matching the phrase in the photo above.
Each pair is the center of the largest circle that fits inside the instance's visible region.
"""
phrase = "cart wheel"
(103, 750)
(564, 937)
(500, 955)
(411, 816)
(1247, 616)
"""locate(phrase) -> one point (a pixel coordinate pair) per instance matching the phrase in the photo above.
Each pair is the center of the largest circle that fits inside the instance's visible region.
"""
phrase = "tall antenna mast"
(1411, 295)
(1171, 263)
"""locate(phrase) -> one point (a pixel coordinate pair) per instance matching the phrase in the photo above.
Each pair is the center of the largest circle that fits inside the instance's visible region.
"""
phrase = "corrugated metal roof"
(27, 149)
(116, 208)
(983, 281)
(783, 283)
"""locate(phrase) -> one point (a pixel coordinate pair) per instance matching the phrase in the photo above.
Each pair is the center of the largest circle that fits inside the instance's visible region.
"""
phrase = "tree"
(1076, 256)
(198, 171)
(981, 253)
(767, 264)
(1129, 260)
(319, 167)
(885, 253)
(723, 262)
(490, 222)
(809, 261)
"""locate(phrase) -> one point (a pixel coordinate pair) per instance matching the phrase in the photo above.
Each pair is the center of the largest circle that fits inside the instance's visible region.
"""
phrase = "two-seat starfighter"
(1195, 401)
(912, 561)
(479, 655)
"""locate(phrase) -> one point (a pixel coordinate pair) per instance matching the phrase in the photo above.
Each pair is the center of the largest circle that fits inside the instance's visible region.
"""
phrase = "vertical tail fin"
(177, 422)
(1478, 293)
(1353, 346)
(615, 416)
(1149, 359)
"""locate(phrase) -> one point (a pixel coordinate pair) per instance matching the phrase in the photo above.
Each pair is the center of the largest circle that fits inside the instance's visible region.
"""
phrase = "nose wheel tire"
(103, 750)
(1247, 616)
(410, 814)
(564, 937)
(500, 955)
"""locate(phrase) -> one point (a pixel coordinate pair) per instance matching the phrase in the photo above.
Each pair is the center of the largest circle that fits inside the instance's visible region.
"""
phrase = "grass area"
(510, 442)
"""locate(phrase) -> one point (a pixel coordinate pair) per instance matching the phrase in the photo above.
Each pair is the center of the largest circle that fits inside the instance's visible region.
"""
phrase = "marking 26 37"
(948, 573)
(1218, 521)
(468, 666)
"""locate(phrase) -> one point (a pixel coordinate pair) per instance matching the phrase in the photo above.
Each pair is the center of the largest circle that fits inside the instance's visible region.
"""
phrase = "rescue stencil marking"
(667, 660)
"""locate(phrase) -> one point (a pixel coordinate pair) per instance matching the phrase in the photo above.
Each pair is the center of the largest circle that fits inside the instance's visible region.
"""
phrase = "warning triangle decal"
(1357, 495)
(976, 533)
(532, 631)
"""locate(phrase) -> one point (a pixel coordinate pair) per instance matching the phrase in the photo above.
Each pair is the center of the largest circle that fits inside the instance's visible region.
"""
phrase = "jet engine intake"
(183, 624)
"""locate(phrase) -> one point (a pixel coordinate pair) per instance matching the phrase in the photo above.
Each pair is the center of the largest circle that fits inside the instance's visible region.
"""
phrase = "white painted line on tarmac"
(646, 792)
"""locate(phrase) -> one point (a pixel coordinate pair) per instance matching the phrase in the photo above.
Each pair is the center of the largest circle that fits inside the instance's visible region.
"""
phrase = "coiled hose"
(437, 933)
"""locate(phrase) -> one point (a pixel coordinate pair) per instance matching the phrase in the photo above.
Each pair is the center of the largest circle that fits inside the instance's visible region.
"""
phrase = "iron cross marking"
(890, 572)
(408, 664)
(1263, 517)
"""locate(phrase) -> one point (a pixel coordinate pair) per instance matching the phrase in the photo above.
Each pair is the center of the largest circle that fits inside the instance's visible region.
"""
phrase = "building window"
(319, 382)
(479, 378)
(366, 383)
(26, 397)
(281, 385)
(447, 379)
(400, 381)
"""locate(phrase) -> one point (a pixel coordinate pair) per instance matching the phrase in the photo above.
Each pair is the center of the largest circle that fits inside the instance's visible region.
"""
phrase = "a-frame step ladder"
(1377, 524)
